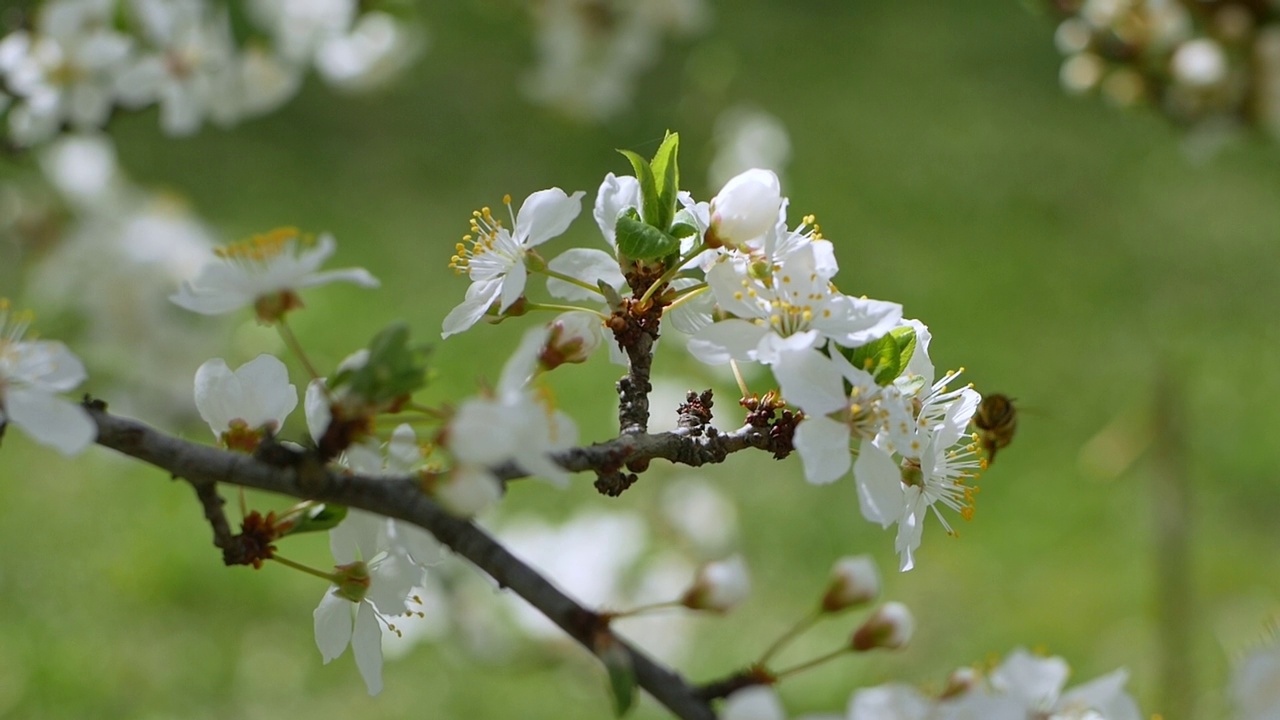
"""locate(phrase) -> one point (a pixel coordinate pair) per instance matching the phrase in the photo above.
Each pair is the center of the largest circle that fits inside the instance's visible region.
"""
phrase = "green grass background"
(1065, 253)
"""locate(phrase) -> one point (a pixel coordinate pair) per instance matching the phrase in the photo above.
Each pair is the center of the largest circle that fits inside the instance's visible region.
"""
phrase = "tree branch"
(403, 499)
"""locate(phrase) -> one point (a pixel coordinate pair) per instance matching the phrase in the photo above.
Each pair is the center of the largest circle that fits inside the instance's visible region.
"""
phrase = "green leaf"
(393, 370)
(640, 241)
(905, 336)
(880, 357)
(666, 174)
(650, 207)
(319, 517)
(683, 230)
(622, 676)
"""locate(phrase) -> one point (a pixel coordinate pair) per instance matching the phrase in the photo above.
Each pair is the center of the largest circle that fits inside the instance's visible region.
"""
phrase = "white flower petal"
(546, 214)
(332, 625)
(588, 265)
(879, 485)
(756, 702)
(366, 645)
(49, 420)
(823, 445)
(731, 339)
(616, 194)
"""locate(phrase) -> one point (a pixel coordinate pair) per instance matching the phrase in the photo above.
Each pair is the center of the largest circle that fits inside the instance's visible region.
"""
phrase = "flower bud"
(719, 586)
(890, 627)
(960, 682)
(854, 581)
(746, 208)
(572, 339)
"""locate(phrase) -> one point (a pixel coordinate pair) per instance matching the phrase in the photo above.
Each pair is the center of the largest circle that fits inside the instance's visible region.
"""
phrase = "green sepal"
(650, 206)
(316, 518)
(393, 370)
(638, 240)
(666, 176)
(622, 676)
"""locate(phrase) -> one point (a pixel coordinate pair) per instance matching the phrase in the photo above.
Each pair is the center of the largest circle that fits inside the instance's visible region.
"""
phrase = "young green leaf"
(666, 175)
(881, 358)
(640, 241)
(317, 518)
(622, 676)
(393, 369)
(650, 206)
(905, 336)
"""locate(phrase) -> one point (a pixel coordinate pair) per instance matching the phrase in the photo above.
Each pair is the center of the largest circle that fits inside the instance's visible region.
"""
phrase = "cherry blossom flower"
(374, 586)
(495, 260)
(514, 424)
(1028, 686)
(265, 272)
(242, 407)
(32, 373)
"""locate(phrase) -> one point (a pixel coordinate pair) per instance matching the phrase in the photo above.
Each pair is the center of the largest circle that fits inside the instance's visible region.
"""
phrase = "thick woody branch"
(403, 499)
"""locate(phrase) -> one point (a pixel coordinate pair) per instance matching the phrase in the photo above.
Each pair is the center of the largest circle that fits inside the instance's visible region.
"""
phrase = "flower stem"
(291, 341)
(785, 639)
(329, 577)
(737, 375)
(565, 308)
(569, 279)
(813, 663)
(671, 272)
(646, 609)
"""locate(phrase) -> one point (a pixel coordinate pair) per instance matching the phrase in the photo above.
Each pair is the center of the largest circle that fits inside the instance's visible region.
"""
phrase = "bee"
(996, 421)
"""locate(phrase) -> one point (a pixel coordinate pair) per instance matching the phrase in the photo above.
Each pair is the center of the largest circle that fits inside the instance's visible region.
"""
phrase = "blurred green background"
(1067, 254)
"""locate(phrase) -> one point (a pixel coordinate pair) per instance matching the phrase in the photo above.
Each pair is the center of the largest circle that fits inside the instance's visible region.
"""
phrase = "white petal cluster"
(396, 556)
(265, 272)
(516, 424)
(495, 258)
(33, 373)
(83, 59)
(1023, 686)
(256, 397)
(909, 438)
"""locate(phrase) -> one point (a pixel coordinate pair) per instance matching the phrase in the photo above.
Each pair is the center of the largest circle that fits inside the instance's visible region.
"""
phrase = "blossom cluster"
(1215, 64)
(747, 286)
(81, 60)
(1023, 686)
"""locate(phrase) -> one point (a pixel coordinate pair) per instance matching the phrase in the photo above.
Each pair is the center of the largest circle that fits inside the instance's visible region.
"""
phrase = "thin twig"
(399, 498)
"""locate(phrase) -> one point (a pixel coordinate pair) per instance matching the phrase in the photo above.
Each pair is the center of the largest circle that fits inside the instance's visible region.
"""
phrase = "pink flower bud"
(890, 627)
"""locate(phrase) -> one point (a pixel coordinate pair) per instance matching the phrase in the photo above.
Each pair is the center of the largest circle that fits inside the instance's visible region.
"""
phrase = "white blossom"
(256, 396)
(32, 374)
(265, 272)
(495, 260)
